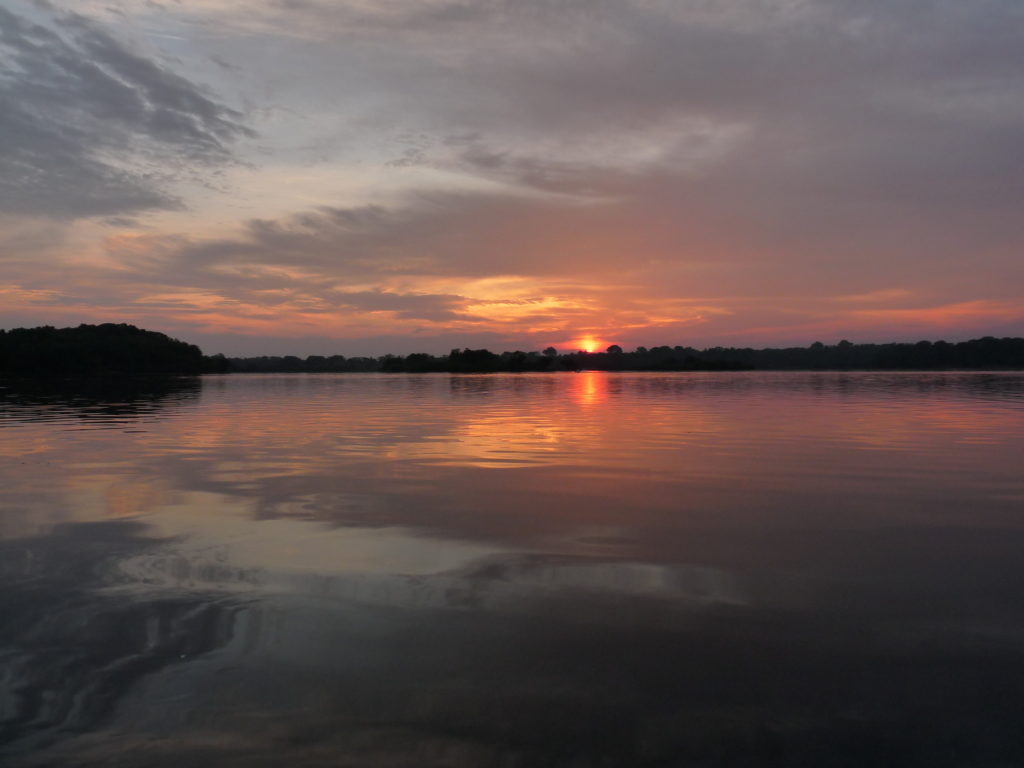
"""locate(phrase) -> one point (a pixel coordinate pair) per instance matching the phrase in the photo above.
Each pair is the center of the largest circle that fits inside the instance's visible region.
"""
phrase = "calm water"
(525, 570)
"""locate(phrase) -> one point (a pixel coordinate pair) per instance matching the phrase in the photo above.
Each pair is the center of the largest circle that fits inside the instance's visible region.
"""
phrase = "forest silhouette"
(92, 350)
(122, 349)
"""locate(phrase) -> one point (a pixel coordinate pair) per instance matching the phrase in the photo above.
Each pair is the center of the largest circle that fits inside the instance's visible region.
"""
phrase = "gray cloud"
(785, 110)
(809, 130)
(769, 151)
(453, 234)
(88, 127)
(410, 306)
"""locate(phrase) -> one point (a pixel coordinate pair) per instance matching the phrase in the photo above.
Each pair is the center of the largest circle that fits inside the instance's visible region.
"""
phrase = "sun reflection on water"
(589, 388)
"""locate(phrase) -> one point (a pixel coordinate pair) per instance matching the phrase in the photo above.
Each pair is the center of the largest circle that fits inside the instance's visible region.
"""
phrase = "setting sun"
(588, 344)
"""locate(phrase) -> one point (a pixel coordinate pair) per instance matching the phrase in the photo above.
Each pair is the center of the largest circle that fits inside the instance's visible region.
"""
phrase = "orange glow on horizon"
(588, 344)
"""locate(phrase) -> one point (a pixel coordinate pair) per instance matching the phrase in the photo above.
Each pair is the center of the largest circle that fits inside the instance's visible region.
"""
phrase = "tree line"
(985, 353)
(988, 352)
(90, 350)
(95, 350)
(485, 361)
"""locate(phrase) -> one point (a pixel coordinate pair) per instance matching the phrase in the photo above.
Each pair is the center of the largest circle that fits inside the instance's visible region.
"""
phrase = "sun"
(585, 343)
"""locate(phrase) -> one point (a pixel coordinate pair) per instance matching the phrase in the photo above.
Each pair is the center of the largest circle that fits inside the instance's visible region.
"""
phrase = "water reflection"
(71, 650)
(589, 388)
(581, 569)
(101, 403)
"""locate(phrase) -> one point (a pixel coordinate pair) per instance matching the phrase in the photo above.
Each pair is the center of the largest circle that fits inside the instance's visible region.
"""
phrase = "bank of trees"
(485, 361)
(985, 353)
(90, 350)
(94, 350)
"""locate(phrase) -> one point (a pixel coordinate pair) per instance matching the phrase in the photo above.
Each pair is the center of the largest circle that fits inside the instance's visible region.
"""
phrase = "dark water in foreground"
(539, 570)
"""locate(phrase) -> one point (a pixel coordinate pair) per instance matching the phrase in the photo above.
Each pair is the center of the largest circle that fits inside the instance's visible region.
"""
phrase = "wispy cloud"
(90, 127)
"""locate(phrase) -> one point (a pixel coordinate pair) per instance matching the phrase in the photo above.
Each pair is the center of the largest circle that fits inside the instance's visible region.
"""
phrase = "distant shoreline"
(621, 370)
(124, 350)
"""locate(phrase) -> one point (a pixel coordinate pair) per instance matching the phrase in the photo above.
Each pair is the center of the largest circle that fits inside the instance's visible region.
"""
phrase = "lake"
(593, 569)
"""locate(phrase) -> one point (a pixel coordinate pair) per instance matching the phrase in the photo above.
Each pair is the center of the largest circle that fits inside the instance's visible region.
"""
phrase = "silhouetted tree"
(216, 364)
(473, 361)
(90, 350)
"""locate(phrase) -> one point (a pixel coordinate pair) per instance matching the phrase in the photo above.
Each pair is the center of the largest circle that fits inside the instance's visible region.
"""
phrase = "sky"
(389, 176)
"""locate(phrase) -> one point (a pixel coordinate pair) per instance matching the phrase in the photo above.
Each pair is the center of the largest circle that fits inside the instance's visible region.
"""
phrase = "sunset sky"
(371, 176)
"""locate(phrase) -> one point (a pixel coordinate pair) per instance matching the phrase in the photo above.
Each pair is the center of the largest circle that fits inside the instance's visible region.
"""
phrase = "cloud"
(530, 168)
(815, 131)
(89, 127)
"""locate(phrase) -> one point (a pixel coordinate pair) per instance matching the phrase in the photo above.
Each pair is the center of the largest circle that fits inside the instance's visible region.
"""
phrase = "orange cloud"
(959, 314)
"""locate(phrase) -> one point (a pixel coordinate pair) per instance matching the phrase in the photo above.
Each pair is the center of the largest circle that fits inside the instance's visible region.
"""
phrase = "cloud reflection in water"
(517, 570)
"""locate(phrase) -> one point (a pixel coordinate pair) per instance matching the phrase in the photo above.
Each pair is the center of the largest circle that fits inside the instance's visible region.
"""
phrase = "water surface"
(520, 570)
